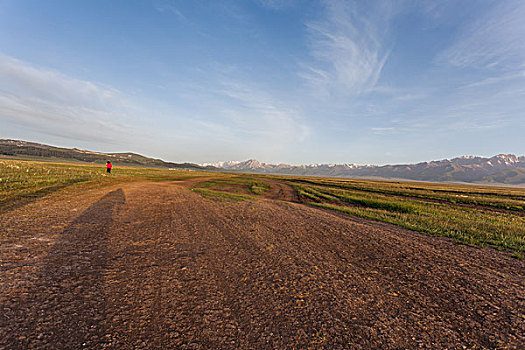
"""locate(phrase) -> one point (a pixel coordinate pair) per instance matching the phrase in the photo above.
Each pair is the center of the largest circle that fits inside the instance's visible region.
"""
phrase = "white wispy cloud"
(496, 80)
(432, 9)
(235, 117)
(169, 7)
(277, 4)
(21, 78)
(257, 114)
(51, 103)
(493, 41)
(347, 49)
(384, 130)
(56, 104)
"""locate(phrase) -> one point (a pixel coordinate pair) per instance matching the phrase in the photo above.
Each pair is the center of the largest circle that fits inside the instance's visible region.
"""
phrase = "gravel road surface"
(156, 266)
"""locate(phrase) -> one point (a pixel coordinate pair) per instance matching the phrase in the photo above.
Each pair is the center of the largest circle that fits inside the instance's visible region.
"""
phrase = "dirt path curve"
(279, 190)
(155, 266)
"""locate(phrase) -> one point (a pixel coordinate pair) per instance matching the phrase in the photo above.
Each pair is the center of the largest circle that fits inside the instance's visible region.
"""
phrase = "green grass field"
(477, 215)
(23, 181)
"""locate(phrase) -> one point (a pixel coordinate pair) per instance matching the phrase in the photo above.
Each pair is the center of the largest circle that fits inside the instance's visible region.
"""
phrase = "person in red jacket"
(108, 167)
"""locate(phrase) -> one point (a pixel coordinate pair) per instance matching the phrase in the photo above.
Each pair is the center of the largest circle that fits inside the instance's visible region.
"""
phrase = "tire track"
(169, 269)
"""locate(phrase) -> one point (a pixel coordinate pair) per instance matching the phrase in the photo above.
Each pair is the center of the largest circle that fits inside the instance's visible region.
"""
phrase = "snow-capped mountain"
(255, 165)
(507, 168)
(223, 165)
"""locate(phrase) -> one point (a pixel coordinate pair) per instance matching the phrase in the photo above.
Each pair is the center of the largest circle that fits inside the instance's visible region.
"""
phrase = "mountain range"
(34, 150)
(503, 168)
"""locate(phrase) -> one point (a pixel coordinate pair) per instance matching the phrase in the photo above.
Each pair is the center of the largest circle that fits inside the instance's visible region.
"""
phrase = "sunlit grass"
(25, 180)
(502, 198)
(472, 225)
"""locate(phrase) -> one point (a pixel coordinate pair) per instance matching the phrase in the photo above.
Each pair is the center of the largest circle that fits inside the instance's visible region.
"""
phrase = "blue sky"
(292, 81)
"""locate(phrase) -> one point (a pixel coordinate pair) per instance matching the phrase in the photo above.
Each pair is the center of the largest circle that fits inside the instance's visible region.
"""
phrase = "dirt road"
(156, 266)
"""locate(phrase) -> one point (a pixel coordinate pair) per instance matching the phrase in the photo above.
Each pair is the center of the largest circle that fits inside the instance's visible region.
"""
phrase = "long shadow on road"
(65, 308)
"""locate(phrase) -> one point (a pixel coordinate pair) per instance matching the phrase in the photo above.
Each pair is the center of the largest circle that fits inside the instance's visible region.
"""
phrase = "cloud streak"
(56, 104)
(164, 6)
(277, 4)
(494, 41)
(347, 49)
(260, 116)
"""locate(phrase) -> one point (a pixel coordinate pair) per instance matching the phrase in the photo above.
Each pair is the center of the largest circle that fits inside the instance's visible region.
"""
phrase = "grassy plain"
(22, 181)
(477, 215)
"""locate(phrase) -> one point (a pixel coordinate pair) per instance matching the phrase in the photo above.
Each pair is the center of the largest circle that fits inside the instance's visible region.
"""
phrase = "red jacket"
(109, 165)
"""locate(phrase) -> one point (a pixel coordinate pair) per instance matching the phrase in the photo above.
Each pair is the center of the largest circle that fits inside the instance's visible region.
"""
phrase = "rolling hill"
(36, 150)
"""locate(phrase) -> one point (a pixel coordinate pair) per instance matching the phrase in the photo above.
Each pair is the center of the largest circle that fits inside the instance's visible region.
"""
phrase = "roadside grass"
(236, 184)
(517, 255)
(221, 195)
(475, 215)
(24, 181)
(476, 226)
(258, 189)
(500, 198)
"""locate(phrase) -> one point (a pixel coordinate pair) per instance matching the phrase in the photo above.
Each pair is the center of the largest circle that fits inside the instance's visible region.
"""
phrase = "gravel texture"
(156, 266)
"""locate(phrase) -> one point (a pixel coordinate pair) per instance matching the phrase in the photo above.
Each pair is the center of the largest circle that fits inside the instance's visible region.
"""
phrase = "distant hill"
(503, 168)
(37, 150)
(514, 176)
